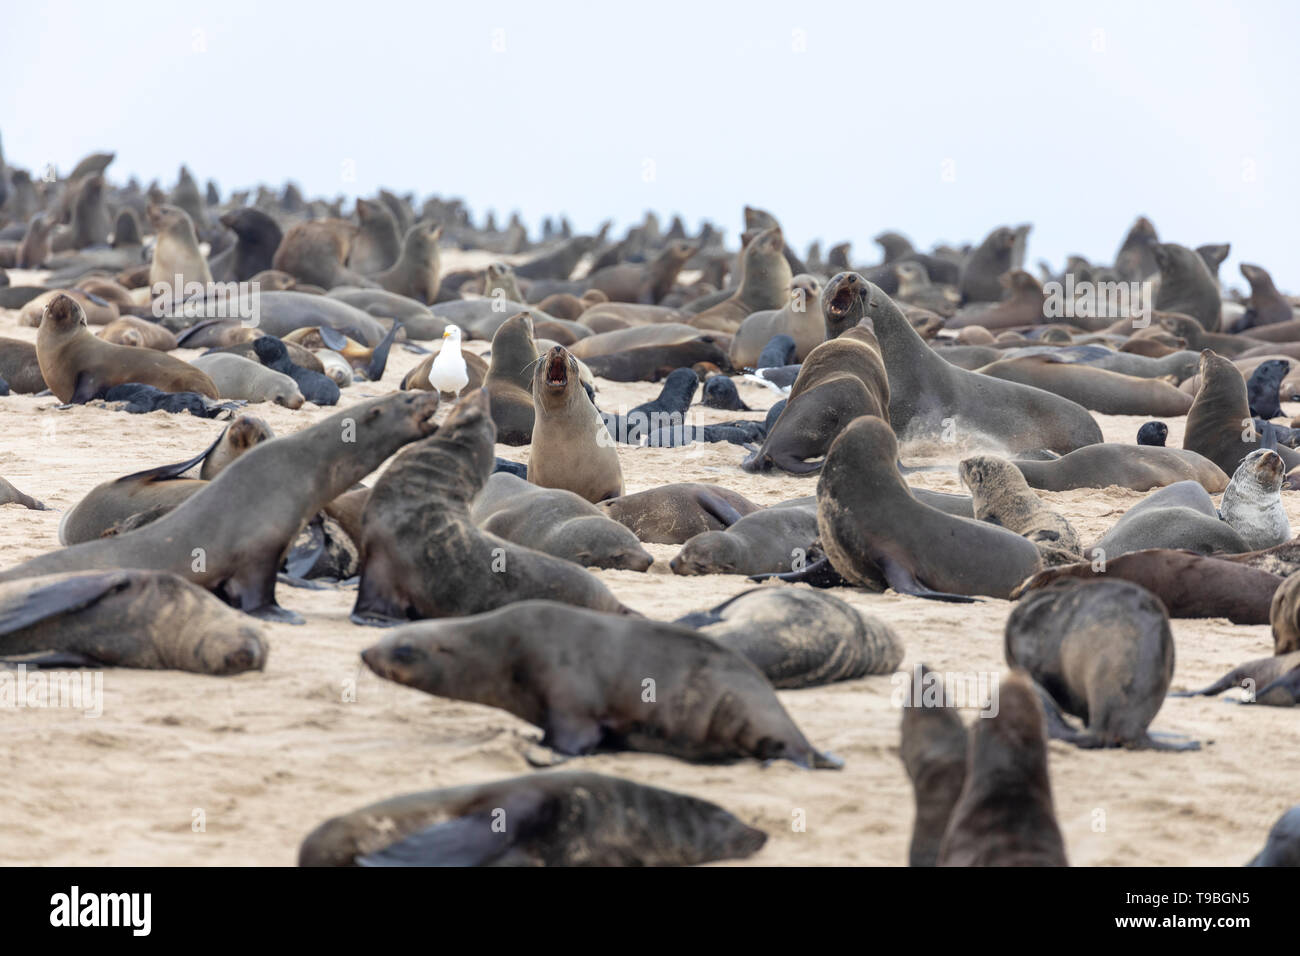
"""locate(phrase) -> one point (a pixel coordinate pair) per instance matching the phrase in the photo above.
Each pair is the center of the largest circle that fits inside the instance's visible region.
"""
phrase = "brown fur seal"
(1253, 677)
(1219, 424)
(416, 272)
(874, 530)
(800, 318)
(552, 819)
(841, 380)
(9, 495)
(1189, 584)
(241, 378)
(582, 677)
(1110, 393)
(377, 243)
(1005, 815)
(764, 285)
(646, 283)
(1138, 467)
(933, 750)
(128, 330)
(315, 252)
(1186, 285)
(571, 447)
(78, 366)
(176, 252)
(231, 535)
(1023, 305)
(125, 618)
(1252, 503)
(673, 514)
(1177, 516)
(799, 637)
(1001, 496)
(97, 312)
(423, 556)
(770, 541)
(1284, 616)
(20, 367)
(928, 395)
(980, 274)
(556, 522)
(509, 381)
(1102, 650)
(243, 433)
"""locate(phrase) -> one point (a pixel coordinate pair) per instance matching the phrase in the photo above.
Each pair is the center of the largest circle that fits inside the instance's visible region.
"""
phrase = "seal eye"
(404, 654)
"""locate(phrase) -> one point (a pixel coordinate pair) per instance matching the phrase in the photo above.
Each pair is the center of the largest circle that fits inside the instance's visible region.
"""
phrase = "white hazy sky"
(940, 120)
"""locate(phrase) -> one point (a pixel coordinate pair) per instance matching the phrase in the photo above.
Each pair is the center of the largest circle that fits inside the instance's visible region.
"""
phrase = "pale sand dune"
(267, 756)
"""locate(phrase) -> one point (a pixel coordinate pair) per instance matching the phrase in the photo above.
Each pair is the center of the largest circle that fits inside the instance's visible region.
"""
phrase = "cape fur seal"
(423, 557)
(128, 330)
(581, 675)
(1005, 815)
(257, 236)
(1102, 650)
(1189, 584)
(1284, 616)
(925, 391)
(1137, 467)
(1178, 516)
(764, 284)
(9, 495)
(981, 272)
(125, 618)
(673, 514)
(509, 380)
(314, 252)
(800, 638)
(1253, 677)
(1219, 424)
(1252, 503)
(571, 447)
(176, 252)
(1186, 285)
(933, 750)
(78, 366)
(241, 378)
(1111, 393)
(556, 522)
(551, 819)
(841, 380)
(20, 367)
(875, 531)
(231, 535)
(800, 319)
(772, 540)
(1282, 848)
(1000, 496)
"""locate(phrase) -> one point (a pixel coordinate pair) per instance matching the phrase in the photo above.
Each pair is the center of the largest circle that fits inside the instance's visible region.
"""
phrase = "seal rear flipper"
(332, 338)
(471, 840)
(54, 600)
(825, 760)
(1058, 727)
(302, 558)
(819, 574)
(1162, 741)
(379, 356)
(901, 580)
(717, 507)
(167, 472)
(1288, 683)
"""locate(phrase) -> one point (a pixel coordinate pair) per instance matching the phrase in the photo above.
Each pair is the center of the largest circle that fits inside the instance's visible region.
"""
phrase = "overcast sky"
(940, 120)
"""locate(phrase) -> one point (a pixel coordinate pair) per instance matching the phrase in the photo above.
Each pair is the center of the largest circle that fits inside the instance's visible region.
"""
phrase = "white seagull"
(448, 372)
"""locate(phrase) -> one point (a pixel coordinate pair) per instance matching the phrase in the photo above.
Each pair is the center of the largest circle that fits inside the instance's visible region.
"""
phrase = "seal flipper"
(465, 841)
(1058, 728)
(1166, 743)
(85, 389)
(571, 734)
(166, 472)
(379, 355)
(718, 508)
(301, 559)
(902, 581)
(252, 590)
(333, 338)
(52, 659)
(819, 574)
(53, 600)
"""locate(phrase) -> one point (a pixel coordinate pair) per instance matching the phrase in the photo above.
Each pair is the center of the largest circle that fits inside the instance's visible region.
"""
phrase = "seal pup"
(9, 495)
(241, 378)
(668, 410)
(128, 330)
(1187, 583)
(556, 522)
(1153, 434)
(509, 380)
(1001, 496)
(230, 536)
(580, 676)
(1186, 285)
(800, 638)
(78, 366)
(423, 557)
(875, 532)
(315, 386)
(720, 392)
(1252, 503)
(1262, 388)
(1005, 815)
(125, 618)
(1102, 650)
(673, 514)
(564, 818)
(571, 447)
(925, 391)
(1282, 848)
(933, 750)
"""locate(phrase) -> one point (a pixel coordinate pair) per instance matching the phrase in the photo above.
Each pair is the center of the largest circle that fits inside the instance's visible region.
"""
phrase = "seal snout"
(557, 369)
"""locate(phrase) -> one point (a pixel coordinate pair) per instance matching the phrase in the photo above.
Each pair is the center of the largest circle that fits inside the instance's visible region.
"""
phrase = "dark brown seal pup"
(1103, 651)
(423, 556)
(928, 395)
(593, 681)
(1219, 424)
(1138, 467)
(840, 380)
(875, 531)
(1189, 584)
(551, 819)
(78, 366)
(556, 522)
(128, 618)
(799, 637)
(933, 750)
(230, 537)
(673, 514)
(1005, 815)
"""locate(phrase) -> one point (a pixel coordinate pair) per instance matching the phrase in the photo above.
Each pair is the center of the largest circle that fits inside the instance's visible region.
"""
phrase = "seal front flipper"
(86, 388)
(1058, 727)
(333, 338)
(252, 590)
(819, 574)
(901, 580)
(465, 841)
(63, 597)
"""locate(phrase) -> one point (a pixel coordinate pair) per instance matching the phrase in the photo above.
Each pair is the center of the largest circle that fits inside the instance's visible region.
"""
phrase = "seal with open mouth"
(572, 448)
